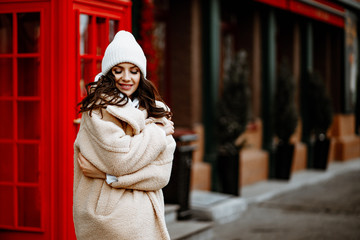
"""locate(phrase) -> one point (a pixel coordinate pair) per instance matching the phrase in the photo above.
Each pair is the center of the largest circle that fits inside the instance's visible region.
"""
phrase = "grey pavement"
(312, 205)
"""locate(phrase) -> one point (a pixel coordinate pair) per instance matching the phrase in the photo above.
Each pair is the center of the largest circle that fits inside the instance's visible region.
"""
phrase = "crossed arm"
(89, 170)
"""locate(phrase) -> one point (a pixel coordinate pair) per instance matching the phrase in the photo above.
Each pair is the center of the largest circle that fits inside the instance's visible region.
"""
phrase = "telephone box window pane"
(7, 206)
(85, 34)
(28, 163)
(113, 28)
(28, 32)
(29, 207)
(28, 76)
(28, 120)
(98, 66)
(101, 36)
(6, 26)
(7, 162)
(6, 120)
(86, 75)
(6, 83)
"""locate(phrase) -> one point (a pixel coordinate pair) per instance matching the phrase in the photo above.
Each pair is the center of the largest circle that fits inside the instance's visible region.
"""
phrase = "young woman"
(123, 152)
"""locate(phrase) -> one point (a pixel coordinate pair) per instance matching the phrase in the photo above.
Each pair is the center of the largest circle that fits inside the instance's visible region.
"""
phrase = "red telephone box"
(49, 50)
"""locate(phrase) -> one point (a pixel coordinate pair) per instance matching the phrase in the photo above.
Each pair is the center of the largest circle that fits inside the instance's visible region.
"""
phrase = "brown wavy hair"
(104, 92)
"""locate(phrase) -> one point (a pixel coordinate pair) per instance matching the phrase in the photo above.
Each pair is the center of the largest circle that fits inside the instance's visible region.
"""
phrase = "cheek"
(117, 77)
(137, 84)
(137, 81)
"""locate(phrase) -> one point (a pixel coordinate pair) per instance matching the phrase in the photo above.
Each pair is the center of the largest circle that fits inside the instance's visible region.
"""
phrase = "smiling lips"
(125, 86)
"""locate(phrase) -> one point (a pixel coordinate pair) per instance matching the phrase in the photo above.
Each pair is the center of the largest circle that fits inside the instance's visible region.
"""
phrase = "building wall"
(185, 62)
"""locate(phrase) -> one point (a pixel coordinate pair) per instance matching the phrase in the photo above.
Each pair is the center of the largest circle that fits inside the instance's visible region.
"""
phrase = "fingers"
(88, 169)
(169, 128)
(83, 163)
(80, 161)
(172, 127)
(82, 158)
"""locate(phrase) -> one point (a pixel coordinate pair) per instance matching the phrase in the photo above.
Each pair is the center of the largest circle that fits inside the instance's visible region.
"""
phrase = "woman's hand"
(168, 127)
(88, 169)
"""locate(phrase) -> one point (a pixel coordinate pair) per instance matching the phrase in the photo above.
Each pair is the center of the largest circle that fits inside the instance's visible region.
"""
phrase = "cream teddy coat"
(124, 143)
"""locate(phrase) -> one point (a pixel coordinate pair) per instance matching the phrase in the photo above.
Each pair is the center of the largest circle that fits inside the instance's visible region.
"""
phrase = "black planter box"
(321, 153)
(283, 161)
(178, 189)
(228, 167)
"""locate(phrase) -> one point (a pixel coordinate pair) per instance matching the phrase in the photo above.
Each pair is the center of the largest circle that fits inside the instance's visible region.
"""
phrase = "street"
(327, 210)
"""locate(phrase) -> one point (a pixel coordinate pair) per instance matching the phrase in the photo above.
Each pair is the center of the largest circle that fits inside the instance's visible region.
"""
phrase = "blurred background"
(259, 89)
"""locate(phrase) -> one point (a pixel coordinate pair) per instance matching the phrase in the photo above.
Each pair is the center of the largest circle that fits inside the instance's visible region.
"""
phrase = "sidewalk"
(268, 189)
(225, 211)
(312, 205)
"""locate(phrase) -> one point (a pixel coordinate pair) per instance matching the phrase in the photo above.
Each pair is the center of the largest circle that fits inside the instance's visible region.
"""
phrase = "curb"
(222, 208)
(267, 189)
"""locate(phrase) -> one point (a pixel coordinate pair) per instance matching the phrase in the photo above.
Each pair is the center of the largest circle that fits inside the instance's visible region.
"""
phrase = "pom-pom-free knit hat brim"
(123, 48)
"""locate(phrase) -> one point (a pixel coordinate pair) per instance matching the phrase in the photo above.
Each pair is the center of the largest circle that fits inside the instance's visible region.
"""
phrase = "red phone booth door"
(23, 191)
(96, 31)
(96, 28)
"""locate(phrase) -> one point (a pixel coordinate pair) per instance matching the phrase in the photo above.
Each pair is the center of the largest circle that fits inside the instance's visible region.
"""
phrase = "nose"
(126, 76)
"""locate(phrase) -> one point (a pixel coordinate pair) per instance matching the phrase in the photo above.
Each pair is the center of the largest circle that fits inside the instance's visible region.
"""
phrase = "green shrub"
(319, 108)
(233, 106)
(285, 112)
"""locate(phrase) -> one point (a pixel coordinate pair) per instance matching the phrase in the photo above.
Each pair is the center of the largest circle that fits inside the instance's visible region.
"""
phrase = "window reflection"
(7, 206)
(6, 67)
(28, 76)
(29, 206)
(6, 120)
(6, 26)
(113, 28)
(28, 120)
(101, 36)
(6, 163)
(28, 32)
(85, 21)
(86, 75)
(28, 162)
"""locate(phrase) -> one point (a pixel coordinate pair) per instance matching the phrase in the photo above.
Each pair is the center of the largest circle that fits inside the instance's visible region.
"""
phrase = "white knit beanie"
(123, 48)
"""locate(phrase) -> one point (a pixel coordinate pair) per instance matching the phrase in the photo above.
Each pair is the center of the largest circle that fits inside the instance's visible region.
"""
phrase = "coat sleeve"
(102, 140)
(152, 177)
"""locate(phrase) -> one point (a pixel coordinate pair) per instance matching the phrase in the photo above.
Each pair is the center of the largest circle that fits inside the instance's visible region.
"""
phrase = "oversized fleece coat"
(124, 143)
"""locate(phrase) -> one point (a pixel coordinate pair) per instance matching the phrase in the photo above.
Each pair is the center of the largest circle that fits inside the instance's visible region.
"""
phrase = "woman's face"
(127, 77)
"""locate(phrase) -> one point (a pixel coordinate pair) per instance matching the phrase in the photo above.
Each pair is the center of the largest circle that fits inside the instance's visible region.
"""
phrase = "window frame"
(43, 166)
